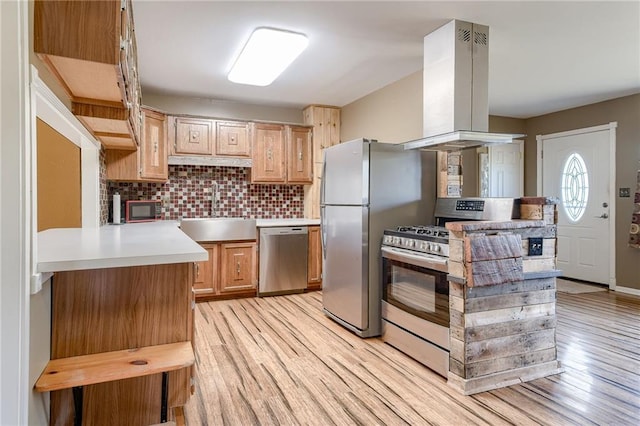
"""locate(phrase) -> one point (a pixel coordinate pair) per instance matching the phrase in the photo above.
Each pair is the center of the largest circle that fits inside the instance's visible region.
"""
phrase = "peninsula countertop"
(113, 246)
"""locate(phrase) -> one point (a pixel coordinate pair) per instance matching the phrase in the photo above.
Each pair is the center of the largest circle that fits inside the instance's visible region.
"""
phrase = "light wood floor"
(279, 360)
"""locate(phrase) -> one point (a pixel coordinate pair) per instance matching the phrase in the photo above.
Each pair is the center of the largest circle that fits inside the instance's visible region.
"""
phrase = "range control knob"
(436, 248)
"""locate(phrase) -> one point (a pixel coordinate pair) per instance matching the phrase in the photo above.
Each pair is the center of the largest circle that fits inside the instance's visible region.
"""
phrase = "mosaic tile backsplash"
(191, 189)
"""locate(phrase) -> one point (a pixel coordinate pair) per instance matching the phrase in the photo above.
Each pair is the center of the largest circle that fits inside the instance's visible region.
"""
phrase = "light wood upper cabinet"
(193, 136)
(326, 127)
(153, 146)
(326, 132)
(147, 164)
(90, 47)
(269, 154)
(232, 139)
(314, 266)
(281, 154)
(238, 267)
(299, 155)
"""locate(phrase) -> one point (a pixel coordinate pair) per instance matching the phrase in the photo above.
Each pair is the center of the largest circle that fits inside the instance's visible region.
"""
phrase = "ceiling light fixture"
(266, 55)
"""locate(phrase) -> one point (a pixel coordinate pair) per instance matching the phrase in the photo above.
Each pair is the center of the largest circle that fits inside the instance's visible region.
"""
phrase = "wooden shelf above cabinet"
(89, 46)
(110, 124)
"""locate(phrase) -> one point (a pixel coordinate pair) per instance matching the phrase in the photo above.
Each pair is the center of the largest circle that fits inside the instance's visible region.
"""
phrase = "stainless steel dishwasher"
(283, 260)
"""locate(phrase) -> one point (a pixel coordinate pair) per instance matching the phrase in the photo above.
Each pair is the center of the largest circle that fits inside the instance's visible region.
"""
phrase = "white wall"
(15, 212)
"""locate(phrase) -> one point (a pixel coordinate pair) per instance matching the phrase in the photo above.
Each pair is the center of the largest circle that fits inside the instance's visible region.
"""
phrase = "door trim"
(15, 211)
(611, 127)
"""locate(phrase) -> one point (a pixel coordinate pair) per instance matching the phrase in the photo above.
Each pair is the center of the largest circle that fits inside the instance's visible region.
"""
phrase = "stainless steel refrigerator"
(367, 187)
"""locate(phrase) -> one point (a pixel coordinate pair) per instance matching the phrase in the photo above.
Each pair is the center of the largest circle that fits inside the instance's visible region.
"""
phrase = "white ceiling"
(543, 56)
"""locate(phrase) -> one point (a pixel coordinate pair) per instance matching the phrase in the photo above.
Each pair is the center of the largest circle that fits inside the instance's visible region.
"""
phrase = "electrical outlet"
(535, 246)
(624, 192)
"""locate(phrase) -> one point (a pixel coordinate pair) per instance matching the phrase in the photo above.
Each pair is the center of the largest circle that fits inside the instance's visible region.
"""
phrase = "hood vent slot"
(464, 35)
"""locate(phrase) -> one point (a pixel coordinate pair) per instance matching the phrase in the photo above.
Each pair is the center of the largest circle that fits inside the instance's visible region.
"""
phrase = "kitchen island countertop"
(268, 223)
(113, 246)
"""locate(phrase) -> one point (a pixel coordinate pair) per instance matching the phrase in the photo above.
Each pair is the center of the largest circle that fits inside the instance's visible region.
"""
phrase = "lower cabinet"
(231, 271)
(314, 266)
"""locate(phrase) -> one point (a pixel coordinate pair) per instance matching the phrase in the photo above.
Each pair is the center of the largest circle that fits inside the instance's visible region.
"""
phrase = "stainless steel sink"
(219, 229)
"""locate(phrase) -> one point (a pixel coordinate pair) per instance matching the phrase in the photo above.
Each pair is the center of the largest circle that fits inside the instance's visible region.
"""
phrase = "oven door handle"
(430, 262)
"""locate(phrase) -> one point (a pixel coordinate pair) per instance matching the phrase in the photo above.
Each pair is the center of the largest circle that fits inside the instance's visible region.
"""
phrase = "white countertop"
(268, 223)
(112, 246)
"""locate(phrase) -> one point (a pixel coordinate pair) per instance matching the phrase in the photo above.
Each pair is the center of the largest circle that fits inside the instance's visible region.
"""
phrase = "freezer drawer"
(283, 260)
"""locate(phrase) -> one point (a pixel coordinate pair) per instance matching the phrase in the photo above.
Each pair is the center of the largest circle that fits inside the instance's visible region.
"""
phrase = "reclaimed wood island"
(502, 295)
(122, 322)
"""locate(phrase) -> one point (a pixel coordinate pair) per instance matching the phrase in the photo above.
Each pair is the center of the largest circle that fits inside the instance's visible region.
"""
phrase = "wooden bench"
(78, 371)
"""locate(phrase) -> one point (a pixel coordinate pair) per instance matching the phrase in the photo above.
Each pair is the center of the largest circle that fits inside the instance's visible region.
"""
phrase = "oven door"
(411, 283)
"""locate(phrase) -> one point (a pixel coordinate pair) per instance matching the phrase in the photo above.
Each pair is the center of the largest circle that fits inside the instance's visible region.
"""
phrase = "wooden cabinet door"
(232, 138)
(206, 272)
(314, 270)
(153, 146)
(238, 269)
(268, 154)
(299, 155)
(193, 136)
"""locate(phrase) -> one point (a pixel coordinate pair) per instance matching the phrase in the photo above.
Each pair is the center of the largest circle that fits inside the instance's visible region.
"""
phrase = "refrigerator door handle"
(322, 185)
(323, 230)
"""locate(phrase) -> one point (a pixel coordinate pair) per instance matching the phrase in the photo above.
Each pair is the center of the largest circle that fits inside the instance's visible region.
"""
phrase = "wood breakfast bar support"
(502, 297)
(121, 322)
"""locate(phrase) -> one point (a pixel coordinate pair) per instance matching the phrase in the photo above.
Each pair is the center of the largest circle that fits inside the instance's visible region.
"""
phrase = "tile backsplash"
(191, 189)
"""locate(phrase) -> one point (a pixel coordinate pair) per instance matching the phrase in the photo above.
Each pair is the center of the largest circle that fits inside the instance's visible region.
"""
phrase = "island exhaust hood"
(456, 90)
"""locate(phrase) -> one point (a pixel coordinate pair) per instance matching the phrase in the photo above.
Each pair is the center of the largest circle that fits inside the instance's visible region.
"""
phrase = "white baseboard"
(628, 290)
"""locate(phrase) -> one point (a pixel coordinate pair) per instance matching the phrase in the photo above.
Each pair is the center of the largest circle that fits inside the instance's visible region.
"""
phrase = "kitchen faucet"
(215, 196)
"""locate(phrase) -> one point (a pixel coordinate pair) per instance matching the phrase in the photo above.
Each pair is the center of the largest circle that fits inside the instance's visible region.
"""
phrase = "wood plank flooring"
(280, 361)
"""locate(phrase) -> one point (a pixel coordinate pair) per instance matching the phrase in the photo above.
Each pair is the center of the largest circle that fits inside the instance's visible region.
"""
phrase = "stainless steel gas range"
(415, 289)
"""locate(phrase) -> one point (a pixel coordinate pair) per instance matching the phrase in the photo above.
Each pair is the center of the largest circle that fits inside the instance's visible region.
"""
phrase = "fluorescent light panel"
(266, 55)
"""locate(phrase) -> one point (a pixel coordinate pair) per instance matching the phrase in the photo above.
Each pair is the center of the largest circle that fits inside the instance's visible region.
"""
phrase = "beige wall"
(221, 109)
(391, 114)
(626, 112)
(394, 114)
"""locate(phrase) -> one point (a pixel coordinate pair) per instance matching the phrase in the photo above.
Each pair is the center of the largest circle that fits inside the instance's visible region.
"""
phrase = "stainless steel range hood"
(456, 89)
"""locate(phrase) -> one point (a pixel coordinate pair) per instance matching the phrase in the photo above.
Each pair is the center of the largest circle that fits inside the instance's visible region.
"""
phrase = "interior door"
(506, 171)
(575, 169)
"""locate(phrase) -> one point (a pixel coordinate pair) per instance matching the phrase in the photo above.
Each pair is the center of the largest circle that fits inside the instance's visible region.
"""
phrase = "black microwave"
(132, 211)
(142, 210)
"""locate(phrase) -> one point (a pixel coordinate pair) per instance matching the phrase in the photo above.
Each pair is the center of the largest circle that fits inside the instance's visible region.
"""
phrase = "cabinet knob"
(269, 154)
(238, 268)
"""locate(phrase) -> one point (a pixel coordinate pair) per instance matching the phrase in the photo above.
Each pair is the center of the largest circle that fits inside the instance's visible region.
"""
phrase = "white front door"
(576, 170)
(506, 171)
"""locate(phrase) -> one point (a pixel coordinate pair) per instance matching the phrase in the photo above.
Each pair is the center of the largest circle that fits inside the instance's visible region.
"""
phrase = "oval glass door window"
(575, 187)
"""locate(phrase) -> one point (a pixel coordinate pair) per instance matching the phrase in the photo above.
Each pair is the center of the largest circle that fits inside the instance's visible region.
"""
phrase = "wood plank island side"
(111, 309)
(502, 329)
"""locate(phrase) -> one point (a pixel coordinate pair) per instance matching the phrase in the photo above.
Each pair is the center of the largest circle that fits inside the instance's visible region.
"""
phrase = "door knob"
(603, 216)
